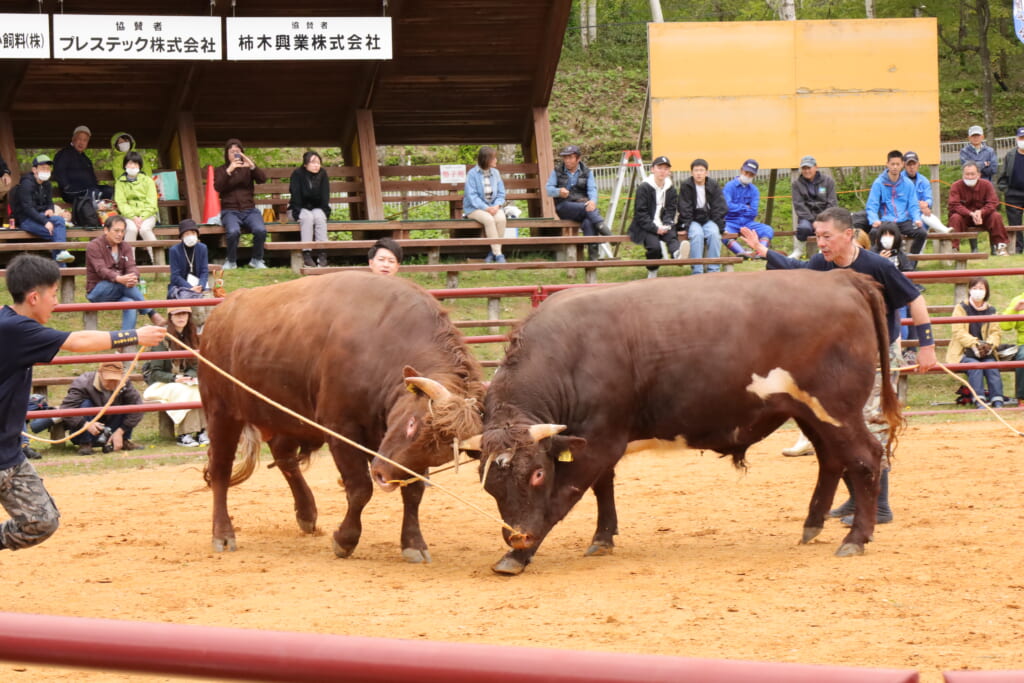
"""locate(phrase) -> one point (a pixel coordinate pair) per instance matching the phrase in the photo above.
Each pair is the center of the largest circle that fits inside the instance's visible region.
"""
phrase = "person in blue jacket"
(923, 186)
(190, 264)
(893, 199)
(484, 199)
(743, 198)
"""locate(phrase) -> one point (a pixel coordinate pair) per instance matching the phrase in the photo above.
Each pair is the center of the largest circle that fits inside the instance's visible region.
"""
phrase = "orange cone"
(211, 207)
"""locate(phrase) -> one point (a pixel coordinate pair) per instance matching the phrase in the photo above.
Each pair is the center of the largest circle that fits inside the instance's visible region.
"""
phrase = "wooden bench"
(69, 275)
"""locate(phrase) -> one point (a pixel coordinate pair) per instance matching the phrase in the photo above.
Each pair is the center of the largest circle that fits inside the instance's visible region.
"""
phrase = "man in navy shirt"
(32, 282)
(837, 249)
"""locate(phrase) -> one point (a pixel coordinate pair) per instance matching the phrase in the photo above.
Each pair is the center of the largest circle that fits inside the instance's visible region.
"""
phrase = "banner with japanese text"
(107, 36)
(320, 38)
(24, 36)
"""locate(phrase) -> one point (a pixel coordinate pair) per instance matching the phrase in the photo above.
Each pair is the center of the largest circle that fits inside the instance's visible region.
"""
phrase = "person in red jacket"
(974, 205)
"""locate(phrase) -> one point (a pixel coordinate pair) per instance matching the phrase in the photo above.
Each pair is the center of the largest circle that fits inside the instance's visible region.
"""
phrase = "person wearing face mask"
(977, 342)
(743, 198)
(120, 144)
(1011, 184)
(977, 151)
(974, 206)
(136, 197)
(190, 268)
(33, 209)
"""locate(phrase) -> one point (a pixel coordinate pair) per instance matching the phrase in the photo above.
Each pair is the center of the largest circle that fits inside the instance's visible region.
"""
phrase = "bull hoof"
(222, 544)
(850, 550)
(340, 551)
(810, 533)
(599, 549)
(416, 556)
(308, 526)
(508, 566)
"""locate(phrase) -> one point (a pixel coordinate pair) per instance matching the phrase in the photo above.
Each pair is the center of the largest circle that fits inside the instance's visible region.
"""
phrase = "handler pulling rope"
(339, 437)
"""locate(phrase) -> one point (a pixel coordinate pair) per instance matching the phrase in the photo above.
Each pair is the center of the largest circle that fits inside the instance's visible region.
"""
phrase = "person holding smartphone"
(236, 181)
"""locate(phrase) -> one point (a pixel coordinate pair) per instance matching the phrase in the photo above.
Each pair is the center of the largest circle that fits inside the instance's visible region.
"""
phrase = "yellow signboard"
(845, 92)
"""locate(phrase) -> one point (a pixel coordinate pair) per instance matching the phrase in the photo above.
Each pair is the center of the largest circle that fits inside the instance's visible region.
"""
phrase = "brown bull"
(373, 358)
(715, 362)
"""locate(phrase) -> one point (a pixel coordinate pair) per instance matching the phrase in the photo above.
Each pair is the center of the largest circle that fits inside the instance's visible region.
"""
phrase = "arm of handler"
(925, 354)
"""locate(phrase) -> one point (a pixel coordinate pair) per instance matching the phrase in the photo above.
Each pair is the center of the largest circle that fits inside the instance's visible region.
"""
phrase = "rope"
(339, 437)
(103, 410)
(978, 398)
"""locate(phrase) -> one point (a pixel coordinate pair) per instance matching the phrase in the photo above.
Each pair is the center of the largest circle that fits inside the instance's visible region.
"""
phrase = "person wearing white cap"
(977, 151)
(911, 165)
(1011, 184)
(813, 192)
(654, 214)
(73, 170)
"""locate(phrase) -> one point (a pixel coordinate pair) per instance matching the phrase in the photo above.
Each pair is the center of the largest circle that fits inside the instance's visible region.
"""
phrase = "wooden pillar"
(367, 150)
(7, 149)
(539, 151)
(189, 164)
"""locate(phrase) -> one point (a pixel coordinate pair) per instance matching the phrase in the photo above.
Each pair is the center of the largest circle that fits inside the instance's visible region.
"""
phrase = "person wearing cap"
(743, 198)
(190, 264)
(111, 273)
(385, 257)
(654, 214)
(136, 197)
(893, 199)
(176, 380)
(702, 210)
(977, 151)
(120, 144)
(574, 190)
(974, 205)
(93, 389)
(813, 192)
(32, 282)
(33, 209)
(923, 186)
(236, 180)
(1011, 184)
(73, 170)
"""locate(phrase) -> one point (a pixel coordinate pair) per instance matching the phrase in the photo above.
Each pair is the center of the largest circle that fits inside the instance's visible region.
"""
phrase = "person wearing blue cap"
(743, 198)
(572, 186)
(893, 199)
(1011, 184)
(923, 187)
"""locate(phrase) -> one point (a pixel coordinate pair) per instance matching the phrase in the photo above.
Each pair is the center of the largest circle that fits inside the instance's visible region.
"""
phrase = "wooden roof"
(464, 71)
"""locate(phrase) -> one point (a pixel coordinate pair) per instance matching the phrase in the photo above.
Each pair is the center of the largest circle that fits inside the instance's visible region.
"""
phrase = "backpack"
(84, 212)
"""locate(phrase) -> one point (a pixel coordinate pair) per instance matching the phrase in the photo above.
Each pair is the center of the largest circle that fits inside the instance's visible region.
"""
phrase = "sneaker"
(188, 441)
(204, 440)
(910, 357)
(651, 274)
(229, 265)
(30, 453)
(257, 263)
(85, 450)
(500, 258)
(129, 445)
(1001, 249)
(489, 258)
(997, 403)
(803, 446)
(684, 250)
(64, 257)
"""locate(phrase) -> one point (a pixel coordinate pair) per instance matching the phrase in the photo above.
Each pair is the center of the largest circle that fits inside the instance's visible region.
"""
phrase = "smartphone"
(238, 157)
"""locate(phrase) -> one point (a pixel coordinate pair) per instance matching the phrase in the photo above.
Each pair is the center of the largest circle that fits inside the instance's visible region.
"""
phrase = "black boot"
(848, 507)
(883, 513)
(592, 252)
(307, 259)
(321, 259)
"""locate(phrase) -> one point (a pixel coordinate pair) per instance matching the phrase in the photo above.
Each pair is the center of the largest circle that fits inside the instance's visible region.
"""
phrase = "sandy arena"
(707, 562)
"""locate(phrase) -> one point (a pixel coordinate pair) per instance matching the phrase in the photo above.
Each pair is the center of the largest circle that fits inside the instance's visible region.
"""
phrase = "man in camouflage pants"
(32, 282)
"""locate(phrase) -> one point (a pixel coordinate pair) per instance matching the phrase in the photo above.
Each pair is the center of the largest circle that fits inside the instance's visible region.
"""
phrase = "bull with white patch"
(716, 362)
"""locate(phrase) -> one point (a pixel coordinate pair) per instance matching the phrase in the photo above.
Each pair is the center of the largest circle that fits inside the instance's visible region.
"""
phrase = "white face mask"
(886, 241)
(970, 182)
(132, 172)
(745, 180)
(190, 239)
(124, 146)
(1020, 143)
(978, 295)
(44, 176)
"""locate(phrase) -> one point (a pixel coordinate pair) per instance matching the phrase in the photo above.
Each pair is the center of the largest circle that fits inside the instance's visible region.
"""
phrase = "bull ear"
(472, 443)
(409, 371)
(567, 448)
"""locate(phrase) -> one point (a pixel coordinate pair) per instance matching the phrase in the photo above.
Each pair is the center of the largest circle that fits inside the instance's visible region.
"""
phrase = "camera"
(103, 440)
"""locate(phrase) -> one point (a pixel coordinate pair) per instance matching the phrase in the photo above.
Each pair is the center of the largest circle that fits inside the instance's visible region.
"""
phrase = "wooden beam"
(367, 150)
(551, 51)
(190, 165)
(182, 99)
(14, 74)
(8, 150)
(538, 150)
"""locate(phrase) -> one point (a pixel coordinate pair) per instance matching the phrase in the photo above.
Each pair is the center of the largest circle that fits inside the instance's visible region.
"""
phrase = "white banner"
(109, 36)
(291, 38)
(24, 36)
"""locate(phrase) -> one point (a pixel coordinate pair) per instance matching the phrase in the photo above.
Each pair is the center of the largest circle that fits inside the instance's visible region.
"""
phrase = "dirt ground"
(707, 562)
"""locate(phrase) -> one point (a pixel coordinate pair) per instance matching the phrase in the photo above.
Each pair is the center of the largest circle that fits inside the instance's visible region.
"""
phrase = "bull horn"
(432, 388)
(472, 443)
(543, 431)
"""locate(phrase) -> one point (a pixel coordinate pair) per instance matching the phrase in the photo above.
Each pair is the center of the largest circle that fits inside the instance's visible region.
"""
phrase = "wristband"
(924, 335)
(123, 338)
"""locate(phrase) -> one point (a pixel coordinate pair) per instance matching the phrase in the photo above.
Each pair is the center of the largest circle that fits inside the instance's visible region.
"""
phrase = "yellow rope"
(103, 410)
(337, 436)
(977, 398)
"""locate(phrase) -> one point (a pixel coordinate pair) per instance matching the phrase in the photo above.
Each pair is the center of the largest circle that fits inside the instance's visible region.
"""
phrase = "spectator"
(702, 210)
(575, 192)
(1015, 307)
(310, 205)
(74, 172)
(974, 205)
(174, 380)
(923, 186)
(32, 282)
(977, 342)
(236, 181)
(743, 198)
(135, 194)
(385, 257)
(1011, 184)
(484, 199)
(977, 151)
(111, 273)
(93, 389)
(654, 214)
(893, 199)
(5, 178)
(120, 144)
(190, 266)
(812, 194)
(33, 208)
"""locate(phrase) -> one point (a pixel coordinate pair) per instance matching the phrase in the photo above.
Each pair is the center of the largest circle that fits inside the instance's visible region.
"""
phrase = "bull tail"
(892, 414)
(250, 456)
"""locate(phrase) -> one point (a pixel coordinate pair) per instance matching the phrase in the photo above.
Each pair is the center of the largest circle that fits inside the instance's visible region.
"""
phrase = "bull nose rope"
(339, 437)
